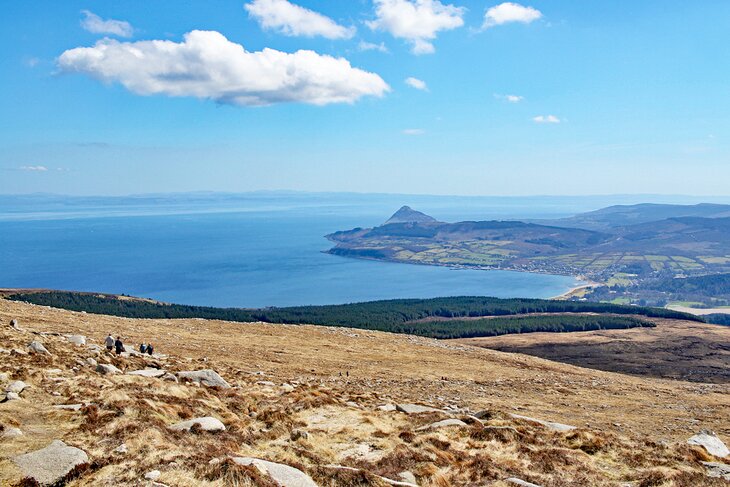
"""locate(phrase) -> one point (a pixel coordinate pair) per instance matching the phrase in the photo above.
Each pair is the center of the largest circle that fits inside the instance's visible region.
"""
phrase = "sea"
(252, 249)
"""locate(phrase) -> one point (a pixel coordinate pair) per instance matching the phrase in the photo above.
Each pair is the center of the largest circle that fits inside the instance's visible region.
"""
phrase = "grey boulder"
(37, 347)
(77, 339)
(107, 369)
(148, 372)
(51, 464)
(209, 378)
(446, 423)
(710, 442)
(206, 423)
(15, 387)
(284, 475)
(717, 470)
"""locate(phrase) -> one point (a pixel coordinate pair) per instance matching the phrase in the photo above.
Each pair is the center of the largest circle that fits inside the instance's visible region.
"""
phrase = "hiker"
(150, 348)
(109, 342)
(142, 348)
(119, 346)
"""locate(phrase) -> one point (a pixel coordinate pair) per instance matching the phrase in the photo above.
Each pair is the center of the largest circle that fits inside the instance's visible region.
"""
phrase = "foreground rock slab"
(416, 409)
(51, 464)
(206, 423)
(209, 378)
(148, 372)
(711, 443)
(547, 424)
(284, 475)
(718, 470)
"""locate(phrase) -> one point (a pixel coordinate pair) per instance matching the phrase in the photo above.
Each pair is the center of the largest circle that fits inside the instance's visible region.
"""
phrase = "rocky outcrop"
(717, 470)
(208, 378)
(51, 465)
(284, 475)
(710, 442)
(206, 423)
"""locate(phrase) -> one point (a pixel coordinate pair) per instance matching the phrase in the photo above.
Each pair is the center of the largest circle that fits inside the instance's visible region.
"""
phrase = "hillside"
(319, 399)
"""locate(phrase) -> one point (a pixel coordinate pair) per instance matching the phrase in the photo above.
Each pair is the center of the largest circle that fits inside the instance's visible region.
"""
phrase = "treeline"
(712, 285)
(482, 327)
(396, 315)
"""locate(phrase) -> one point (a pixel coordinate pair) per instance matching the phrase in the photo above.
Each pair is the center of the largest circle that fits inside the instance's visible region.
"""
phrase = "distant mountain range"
(617, 245)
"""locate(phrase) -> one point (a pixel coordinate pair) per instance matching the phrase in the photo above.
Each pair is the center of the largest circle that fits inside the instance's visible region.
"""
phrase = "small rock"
(91, 361)
(51, 464)
(209, 378)
(446, 423)
(416, 409)
(548, 424)
(710, 442)
(77, 339)
(11, 432)
(37, 347)
(407, 476)
(148, 373)
(266, 383)
(296, 434)
(283, 475)
(4, 377)
(352, 404)
(12, 396)
(387, 407)
(287, 388)
(69, 407)
(207, 423)
(170, 377)
(54, 371)
(15, 325)
(717, 470)
(121, 449)
(152, 475)
(16, 387)
(516, 481)
(107, 369)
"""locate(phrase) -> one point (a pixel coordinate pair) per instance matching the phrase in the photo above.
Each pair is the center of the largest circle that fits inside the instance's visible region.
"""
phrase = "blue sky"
(540, 97)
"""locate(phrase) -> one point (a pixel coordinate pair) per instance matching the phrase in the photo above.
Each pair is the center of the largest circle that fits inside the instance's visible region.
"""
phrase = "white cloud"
(369, 46)
(510, 98)
(416, 83)
(417, 21)
(207, 65)
(546, 119)
(293, 20)
(33, 168)
(96, 25)
(413, 132)
(510, 12)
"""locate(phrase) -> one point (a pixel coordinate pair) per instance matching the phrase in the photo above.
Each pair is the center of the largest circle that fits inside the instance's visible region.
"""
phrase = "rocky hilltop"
(258, 404)
(406, 214)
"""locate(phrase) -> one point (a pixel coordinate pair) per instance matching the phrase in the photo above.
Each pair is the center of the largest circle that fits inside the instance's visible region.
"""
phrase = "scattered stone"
(547, 424)
(284, 475)
(12, 396)
(37, 347)
(152, 475)
(296, 434)
(446, 423)
(416, 409)
(266, 383)
(121, 449)
(77, 339)
(387, 407)
(483, 414)
(17, 351)
(352, 404)
(516, 481)
(207, 423)
(710, 442)
(209, 378)
(407, 476)
(14, 324)
(69, 407)
(170, 377)
(107, 369)
(51, 464)
(16, 387)
(91, 361)
(148, 372)
(287, 388)
(54, 371)
(11, 432)
(717, 470)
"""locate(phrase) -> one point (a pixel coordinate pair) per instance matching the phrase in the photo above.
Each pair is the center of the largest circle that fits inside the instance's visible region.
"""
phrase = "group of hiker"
(118, 346)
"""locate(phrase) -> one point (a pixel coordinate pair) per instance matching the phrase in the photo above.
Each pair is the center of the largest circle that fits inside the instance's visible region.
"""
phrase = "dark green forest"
(415, 316)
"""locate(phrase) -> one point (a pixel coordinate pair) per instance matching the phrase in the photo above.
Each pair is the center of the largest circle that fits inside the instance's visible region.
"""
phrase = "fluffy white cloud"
(369, 46)
(546, 119)
(510, 98)
(293, 20)
(413, 132)
(416, 83)
(96, 25)
(207, 65)
(510, 12)
(33, 168)
(417, 21)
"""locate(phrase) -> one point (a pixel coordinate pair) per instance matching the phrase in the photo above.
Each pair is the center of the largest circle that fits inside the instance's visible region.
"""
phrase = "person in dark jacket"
(118, 345)
(142, 348)
(150, 348)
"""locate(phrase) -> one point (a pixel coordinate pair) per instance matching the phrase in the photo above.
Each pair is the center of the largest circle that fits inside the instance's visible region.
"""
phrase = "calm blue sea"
(249, 250)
